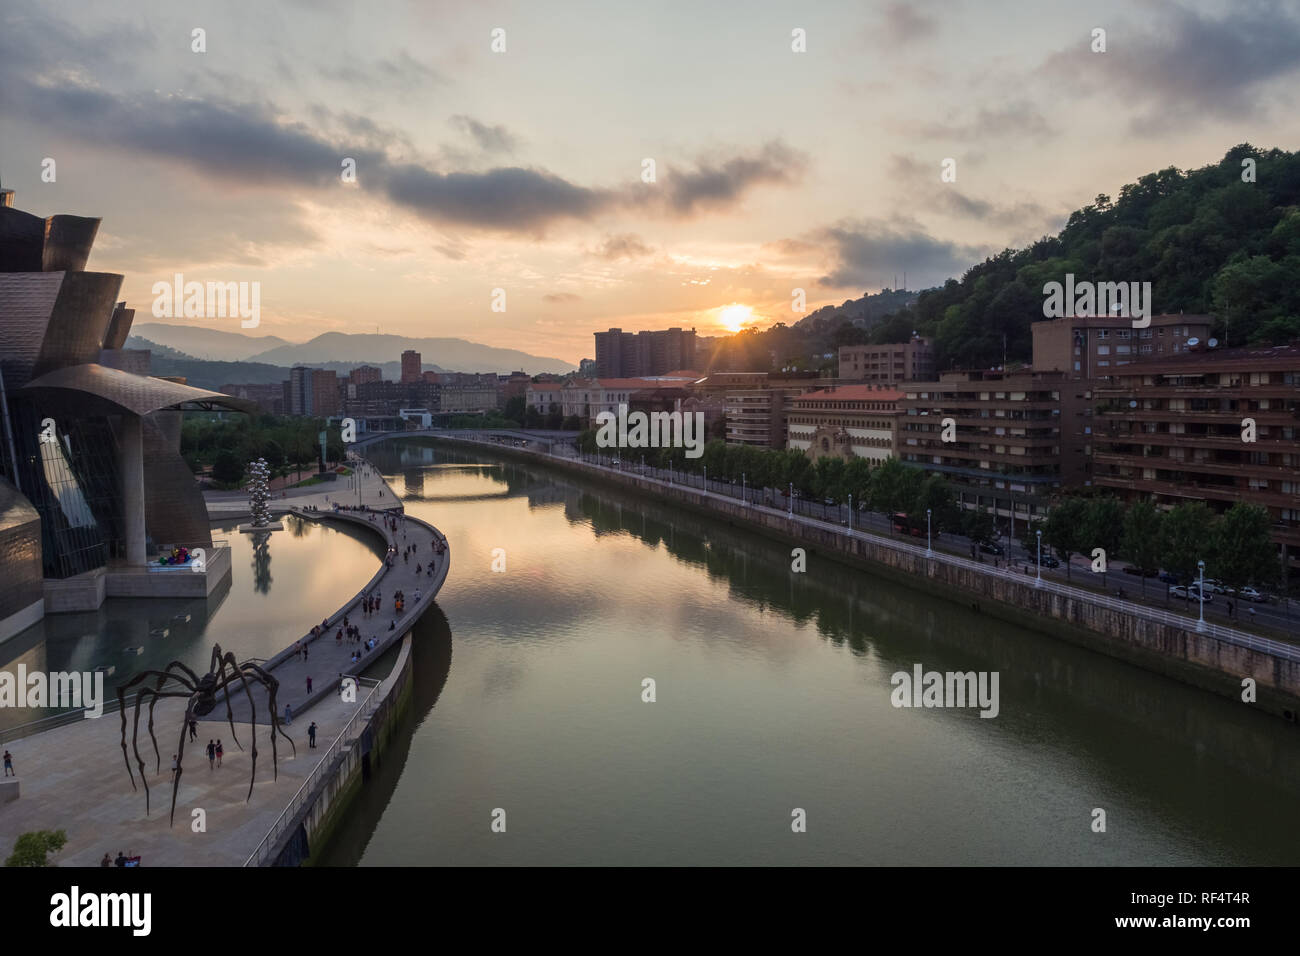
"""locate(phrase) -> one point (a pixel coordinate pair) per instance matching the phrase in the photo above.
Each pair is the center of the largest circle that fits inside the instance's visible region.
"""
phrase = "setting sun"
(733, 317)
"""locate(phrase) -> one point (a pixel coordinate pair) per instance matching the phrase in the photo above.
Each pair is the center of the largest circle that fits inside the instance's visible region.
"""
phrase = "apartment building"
(1008, 452)
(622, 354)
(1172, 429)
(888, 364)
(1093, 347)
(845, 421)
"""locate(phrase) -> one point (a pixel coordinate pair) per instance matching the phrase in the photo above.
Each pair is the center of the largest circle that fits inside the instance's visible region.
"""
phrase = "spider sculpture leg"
(272, 685)
(180, 756)
(154, 697)
(252, 715)
(218, 668)
(122, 706)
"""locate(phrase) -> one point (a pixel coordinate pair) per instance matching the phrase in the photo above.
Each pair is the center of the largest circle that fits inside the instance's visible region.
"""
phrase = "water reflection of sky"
(305, 572)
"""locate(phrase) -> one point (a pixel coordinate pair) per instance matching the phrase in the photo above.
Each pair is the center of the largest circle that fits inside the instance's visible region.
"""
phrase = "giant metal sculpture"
(202, 694)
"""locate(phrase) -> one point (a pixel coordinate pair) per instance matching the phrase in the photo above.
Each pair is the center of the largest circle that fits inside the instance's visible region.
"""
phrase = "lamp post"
(1038, 581)
(643, 465)
(706, 478)
(670, 471)
(928, 552)
(1200, 594)
(743, 498)
(850, 514)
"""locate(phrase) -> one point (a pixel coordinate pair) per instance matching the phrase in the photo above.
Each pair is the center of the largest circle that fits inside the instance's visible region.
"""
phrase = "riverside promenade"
(72, 775)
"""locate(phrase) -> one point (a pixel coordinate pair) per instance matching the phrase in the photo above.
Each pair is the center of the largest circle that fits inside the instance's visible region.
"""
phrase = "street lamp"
(743, 497)
(706, 478)
(1038, 581)
(1200, 594)
(850, 514)
(928, 552)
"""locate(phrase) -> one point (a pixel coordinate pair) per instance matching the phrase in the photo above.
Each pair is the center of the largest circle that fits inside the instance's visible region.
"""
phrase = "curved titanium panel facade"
(26, 302)
(174, 510)
(67, 243)
(77, 327)
(20, 552)
(138, 394)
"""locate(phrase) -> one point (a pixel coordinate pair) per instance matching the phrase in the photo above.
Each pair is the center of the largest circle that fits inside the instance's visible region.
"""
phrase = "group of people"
(122, 860)
(368, 646)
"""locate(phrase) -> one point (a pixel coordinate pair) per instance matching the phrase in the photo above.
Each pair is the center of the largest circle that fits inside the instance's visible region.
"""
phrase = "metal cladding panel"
(77, 327)
(26, 303)
(20, 551)
(119, 327)
(22, 241)
(174, 510)
(122, 391)
(68, 240)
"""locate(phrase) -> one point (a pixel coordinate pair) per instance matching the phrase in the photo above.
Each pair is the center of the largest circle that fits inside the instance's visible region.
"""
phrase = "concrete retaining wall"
(1177, 652)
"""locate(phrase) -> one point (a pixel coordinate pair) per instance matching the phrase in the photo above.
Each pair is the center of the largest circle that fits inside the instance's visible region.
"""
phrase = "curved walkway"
(72, 776)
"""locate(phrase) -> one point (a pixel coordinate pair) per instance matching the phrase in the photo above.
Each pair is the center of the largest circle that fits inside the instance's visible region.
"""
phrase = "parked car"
(1190, 593)
(1214, 586)
(829, 502)
(1168, 578)
(1250, 594)
(1050, 562)
(1138, 571)
(988, 547)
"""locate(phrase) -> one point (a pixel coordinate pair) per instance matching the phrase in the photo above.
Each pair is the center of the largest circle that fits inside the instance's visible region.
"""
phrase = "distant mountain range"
(342, 351)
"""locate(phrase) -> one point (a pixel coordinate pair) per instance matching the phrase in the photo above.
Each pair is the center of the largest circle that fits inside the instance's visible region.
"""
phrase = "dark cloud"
(721, 183)
(868, 252)
(923, 189)
(622, 246)
(508, 198)
(902, 24)
(1191, 67)
(490, 139)
(561, 298)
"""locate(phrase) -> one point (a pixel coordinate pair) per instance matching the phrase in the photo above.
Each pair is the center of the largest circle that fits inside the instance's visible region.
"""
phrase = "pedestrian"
(212, 754)
(1249, 610)
(1229, 608)
(220, 750)
(175, 766)
(288, 714)
(194, 730)
(309, 684)
(121, 859)
(311, 735)
(304, 652)
(9, 765)
(106, 861)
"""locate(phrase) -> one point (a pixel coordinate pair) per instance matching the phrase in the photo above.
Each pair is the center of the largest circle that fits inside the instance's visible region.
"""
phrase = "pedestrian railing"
(351, 732)
(57, 720)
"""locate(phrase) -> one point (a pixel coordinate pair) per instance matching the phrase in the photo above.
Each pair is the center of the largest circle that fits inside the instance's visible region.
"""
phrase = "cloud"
(490, 139)
(866, 253)
(399, 72)
(1017, 118)
(902, 24)
(561, 298)
(1192, 67)
(721, 183)
(622, 246)
(507, 198)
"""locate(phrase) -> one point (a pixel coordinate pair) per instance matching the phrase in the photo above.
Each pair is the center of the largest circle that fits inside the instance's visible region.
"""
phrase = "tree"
(227, 468)
(1188, 535)
(1103, 527)
(1241, 550)
(978, 525)
(32, 849)
(1064, 529)
(514, 409)
(1143, 540)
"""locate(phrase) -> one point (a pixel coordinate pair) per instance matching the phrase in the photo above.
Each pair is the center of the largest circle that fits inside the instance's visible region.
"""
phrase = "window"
(1103, 333)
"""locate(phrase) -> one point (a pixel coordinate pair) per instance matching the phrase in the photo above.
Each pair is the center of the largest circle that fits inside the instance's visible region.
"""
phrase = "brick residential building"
(888, 364)
(1093, 347)
(1171, 430)
(410, 366)
(622, 354)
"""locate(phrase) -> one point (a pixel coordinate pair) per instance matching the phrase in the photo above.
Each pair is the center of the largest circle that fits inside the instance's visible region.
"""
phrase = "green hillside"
(1205, 239)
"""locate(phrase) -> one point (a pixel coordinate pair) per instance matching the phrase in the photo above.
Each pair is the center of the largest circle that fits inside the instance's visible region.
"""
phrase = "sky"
(524, 169)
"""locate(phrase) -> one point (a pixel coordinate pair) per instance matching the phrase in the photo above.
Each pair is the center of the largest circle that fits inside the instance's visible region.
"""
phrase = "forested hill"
(1205, 239)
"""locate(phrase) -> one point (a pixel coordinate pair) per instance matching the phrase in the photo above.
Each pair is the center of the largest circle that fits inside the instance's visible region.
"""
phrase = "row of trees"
(227, 443)
(1235, 545)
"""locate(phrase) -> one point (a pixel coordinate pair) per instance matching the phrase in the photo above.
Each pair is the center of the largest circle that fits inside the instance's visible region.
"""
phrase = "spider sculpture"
(202, 694)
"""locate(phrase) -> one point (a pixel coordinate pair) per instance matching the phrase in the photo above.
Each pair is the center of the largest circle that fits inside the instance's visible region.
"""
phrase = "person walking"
(120, 860)
(311, 735)
(288, 714)
(106, 861)
(212, 754)
(9, 765)
(194, 730)
(304, 652)
(175, 766)
(220, 751)
(308, 683)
